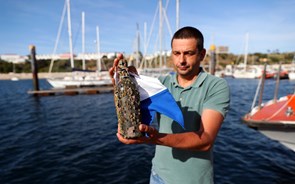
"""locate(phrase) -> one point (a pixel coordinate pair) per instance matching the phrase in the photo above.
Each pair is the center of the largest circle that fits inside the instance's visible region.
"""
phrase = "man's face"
(186, 57)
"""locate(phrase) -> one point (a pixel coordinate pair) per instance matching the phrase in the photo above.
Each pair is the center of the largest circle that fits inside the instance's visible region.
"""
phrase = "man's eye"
(191, 53)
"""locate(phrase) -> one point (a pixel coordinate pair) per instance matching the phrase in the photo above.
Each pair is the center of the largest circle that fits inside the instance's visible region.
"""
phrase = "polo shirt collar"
(197, 83)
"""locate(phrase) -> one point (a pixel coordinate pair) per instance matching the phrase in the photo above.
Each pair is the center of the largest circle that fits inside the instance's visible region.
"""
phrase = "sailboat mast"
(145, 44)
(58, 36)
(160, 30)
(83, 40)
(70, 33)
(246, 51)
(98, 64)
(177, 14)
(137, 45)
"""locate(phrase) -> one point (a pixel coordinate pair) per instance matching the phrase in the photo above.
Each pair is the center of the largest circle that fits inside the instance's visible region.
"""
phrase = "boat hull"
(284, 132)
(275, 119)
(291, 75)
(285, 137)
(62, 83)
(81, 79)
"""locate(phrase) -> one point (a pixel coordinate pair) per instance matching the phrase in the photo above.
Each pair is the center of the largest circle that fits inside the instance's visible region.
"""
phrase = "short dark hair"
(190, 32)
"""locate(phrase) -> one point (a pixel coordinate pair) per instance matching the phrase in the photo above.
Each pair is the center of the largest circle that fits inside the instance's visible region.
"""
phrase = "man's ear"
(203, 54)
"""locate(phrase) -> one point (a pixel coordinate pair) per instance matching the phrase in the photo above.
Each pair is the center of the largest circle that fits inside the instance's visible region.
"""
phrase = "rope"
(278, 111)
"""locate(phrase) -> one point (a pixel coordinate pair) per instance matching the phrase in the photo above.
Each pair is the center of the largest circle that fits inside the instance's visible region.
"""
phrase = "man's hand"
(151, 138)
(113, 68)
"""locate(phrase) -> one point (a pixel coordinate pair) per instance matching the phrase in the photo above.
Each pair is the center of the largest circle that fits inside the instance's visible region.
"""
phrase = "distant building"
(222, 50)
(80, 56)
(14, 58)
(66, 56)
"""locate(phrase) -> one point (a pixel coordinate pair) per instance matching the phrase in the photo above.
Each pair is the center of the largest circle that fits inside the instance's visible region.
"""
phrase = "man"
(185, 156)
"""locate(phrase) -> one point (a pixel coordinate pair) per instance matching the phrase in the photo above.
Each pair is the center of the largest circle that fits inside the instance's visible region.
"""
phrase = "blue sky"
(270, 24)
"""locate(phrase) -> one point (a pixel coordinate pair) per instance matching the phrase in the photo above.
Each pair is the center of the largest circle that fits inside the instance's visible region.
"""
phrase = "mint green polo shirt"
(182, 166)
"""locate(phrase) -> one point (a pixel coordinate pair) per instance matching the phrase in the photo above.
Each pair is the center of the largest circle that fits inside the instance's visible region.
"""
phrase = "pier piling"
(212, 59)
(34, 66)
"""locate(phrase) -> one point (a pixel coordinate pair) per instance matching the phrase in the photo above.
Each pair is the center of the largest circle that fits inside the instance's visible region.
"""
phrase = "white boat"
(219, 73)
(291, 73)
(14, 78)
(79, 78)
(250, 72)
(228, 71)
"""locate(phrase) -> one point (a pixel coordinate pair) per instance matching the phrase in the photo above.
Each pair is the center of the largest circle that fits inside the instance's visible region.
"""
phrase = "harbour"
(72, 139)
(60, 126)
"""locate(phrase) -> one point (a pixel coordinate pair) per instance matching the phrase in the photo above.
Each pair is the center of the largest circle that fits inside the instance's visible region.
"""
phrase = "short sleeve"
(218, 97)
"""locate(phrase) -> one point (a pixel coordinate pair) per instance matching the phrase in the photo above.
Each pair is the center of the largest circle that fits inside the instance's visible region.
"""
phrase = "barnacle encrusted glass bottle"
(127, 102)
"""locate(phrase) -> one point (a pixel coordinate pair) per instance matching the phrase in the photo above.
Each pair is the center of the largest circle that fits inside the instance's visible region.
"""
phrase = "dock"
(69, 90)
(72, 91)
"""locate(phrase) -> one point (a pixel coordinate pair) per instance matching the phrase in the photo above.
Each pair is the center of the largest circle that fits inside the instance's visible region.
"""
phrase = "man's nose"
(182, 58)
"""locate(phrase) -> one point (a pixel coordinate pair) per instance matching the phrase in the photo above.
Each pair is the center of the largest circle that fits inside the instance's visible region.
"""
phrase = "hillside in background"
(222, 61)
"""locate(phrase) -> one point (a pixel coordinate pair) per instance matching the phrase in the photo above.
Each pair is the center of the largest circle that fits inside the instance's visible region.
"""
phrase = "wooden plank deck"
(72, 91)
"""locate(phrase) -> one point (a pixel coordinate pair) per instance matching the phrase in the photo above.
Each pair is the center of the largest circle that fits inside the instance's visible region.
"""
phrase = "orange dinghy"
(275, 118)
(277, 113)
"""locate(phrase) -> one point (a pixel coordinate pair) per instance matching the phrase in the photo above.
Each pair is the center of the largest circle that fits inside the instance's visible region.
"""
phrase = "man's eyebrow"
(186, 51)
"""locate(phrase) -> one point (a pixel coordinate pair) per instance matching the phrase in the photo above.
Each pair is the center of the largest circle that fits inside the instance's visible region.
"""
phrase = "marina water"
(72, 139)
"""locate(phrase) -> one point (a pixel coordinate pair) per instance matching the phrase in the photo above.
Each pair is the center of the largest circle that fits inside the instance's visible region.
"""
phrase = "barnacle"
(127, 102)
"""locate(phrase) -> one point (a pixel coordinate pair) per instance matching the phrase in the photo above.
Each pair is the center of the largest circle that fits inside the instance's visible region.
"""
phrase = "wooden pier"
(72, 91)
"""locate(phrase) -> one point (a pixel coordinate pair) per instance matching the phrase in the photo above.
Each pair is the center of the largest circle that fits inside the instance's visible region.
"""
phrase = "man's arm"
(202, 140)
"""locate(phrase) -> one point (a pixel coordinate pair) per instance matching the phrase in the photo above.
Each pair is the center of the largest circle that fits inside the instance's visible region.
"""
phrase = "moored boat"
(291, 73)
(274, 118)
(81, 79)
(14, 78)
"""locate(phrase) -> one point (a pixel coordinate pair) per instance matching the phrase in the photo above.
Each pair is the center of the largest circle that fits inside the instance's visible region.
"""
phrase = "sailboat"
(244, 71)
(14, 78)
(160, 69)
(79, 78)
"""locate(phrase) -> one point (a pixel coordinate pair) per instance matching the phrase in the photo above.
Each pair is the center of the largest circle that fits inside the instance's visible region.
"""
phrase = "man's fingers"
(147, 129)
(116, 61)
(113, 68)
(111, 74)
(130, 141)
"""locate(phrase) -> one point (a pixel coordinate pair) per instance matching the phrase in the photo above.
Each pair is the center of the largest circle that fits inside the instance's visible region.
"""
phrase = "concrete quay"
(41, 75)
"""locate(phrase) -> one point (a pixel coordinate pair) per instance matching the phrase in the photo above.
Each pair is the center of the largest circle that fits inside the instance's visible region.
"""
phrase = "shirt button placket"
(181, 96)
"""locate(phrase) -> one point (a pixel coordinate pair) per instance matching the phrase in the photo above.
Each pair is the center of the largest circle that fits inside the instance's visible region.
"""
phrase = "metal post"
(34, 68)
(262, 87)
(212, 60)
(275, 98)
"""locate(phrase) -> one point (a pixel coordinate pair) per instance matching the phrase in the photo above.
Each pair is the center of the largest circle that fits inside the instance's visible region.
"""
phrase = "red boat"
(275, 118)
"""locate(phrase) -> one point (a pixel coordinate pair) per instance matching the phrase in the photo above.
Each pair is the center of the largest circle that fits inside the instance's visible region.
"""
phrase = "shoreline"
(41, 75)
